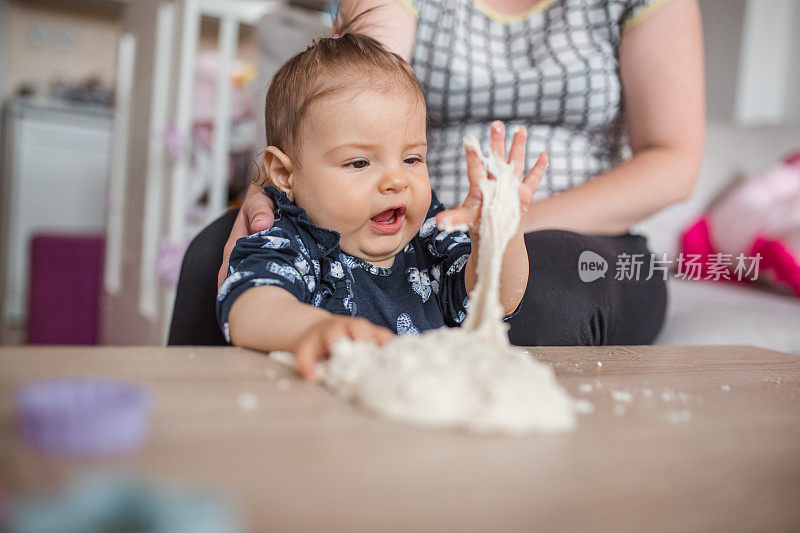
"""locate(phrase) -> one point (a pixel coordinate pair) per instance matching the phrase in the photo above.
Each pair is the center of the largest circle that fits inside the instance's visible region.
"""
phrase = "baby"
(355, 250)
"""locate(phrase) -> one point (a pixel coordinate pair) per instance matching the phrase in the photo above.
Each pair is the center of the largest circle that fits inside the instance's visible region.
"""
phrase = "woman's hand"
(470, 210)
(317, 341)
(256, 214)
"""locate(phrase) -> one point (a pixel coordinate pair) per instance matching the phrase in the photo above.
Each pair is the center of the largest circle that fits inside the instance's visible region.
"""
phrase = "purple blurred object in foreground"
(81, 416)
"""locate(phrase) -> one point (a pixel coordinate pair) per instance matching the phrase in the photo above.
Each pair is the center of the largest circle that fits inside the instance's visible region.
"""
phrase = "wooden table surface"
(684, 453)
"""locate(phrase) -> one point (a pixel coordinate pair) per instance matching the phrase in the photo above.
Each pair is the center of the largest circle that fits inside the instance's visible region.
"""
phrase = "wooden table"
(685, 453)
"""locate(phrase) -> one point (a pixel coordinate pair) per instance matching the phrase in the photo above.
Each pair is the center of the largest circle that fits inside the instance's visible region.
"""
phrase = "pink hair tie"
(335, 36)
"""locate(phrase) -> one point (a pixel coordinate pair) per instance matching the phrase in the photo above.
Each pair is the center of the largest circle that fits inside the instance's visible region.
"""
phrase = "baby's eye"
(358, 164)
(413, 159)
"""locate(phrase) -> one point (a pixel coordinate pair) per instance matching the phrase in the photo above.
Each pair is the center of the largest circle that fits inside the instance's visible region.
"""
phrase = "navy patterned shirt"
(424, 288)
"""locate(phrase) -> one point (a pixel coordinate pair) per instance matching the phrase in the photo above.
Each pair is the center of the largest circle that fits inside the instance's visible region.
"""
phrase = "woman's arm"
(390, 23)
(661, 68)
(269, 318)
(256, 214)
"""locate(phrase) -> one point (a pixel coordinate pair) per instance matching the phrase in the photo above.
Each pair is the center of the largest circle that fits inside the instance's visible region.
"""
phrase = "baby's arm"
(263, 303)
(513, 275)
(269, 318)
(515, 267)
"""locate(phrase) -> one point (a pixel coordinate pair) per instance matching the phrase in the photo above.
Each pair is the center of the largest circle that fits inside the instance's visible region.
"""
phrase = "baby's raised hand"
(318, 340)
(470, 210)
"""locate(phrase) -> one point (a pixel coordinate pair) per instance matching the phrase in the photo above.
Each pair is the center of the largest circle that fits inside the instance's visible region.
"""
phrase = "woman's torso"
(552, 69)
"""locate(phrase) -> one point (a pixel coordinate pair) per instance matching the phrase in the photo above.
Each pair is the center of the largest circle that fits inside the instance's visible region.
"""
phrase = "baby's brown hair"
(346, 60)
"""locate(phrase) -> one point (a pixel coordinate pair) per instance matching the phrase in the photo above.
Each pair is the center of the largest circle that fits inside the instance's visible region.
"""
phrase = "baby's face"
(362, 171)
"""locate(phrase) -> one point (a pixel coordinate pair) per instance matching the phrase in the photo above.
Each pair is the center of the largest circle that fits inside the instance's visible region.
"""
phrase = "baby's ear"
(278, 167)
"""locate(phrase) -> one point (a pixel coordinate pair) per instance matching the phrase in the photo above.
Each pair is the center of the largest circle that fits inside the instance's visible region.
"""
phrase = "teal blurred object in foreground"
(117, 502)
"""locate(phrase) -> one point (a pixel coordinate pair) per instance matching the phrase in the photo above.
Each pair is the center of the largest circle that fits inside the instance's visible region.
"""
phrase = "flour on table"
(247, 401)
(679, 417)
(621, 396)
(467, 378)
(584, 407)
(451, 378)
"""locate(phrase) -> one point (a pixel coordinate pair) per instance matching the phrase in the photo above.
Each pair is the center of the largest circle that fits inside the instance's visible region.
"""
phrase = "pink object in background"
(697, 241)
(760, 216)
(767, 204)
(782, 263)
(65, 281)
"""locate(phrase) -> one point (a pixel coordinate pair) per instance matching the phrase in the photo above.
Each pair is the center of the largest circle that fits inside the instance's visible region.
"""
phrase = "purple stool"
(66, 274)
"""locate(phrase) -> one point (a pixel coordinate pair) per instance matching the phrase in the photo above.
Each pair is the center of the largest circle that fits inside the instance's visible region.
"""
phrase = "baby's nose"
(394, 180)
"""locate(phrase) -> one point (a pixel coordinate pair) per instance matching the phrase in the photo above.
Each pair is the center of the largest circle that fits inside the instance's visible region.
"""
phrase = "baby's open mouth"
(390, 220)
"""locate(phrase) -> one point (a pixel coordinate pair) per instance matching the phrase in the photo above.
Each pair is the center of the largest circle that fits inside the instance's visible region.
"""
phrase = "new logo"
(591, 266)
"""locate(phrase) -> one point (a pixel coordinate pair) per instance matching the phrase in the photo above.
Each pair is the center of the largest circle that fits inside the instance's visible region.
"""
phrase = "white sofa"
(701, 312)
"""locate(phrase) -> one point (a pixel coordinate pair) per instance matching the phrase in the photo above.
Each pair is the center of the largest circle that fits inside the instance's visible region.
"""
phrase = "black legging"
(558, 308)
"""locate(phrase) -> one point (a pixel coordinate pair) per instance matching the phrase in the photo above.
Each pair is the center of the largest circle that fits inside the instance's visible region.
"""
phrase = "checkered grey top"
(553, 70)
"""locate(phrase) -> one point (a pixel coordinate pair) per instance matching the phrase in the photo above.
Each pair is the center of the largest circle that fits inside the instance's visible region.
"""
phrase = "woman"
(588, 79)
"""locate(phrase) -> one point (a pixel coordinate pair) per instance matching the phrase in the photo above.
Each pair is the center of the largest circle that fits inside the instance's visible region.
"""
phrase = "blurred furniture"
(56, 168)
(65, 278)
(702, 312)
(151, 155)
(709, 441)
(194, 318)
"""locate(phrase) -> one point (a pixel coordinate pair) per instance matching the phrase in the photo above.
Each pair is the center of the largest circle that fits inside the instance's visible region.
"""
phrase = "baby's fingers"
(364, 330)
(475, 170)
(497, 134)
(516, 155)
(308, 352)
(316, 346)
(534, 177)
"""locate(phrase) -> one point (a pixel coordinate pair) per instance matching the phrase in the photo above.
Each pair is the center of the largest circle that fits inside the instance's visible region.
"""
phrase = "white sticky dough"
(499, 222)
(451, 378)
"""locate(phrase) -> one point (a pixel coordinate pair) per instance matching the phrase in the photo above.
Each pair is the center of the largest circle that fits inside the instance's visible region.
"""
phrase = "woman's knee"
(565, 306)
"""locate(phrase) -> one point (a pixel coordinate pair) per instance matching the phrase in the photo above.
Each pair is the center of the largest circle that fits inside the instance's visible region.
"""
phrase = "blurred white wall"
(752, 61)
(763, 93)
(722, 29)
